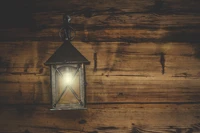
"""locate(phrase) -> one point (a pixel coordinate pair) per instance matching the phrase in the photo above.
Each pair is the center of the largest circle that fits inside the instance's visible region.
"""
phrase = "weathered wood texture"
(144, 74)
(125, 73)
(138, 118)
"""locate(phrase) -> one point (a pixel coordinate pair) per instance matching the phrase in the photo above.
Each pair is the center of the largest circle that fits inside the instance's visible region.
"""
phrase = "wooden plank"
(124, 28)
(112, 58)
(26, 93)
(142, 89)
(117, 64)
(91, 6)
(24, 10)
(123, 20)
(145, 77)
(126, 118)
(41, 50)
(106, 88)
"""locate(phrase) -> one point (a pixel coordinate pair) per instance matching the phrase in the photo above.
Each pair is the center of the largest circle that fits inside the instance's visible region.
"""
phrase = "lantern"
(67, 69)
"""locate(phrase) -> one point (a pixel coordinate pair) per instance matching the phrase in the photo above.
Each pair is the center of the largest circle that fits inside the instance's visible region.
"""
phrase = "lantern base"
(68, 107)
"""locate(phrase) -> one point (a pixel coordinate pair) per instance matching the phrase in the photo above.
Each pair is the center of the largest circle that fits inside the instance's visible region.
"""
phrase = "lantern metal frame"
(67, 57)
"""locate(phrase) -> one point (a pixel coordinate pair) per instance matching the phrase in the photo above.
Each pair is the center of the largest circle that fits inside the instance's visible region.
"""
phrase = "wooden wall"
(144, 75)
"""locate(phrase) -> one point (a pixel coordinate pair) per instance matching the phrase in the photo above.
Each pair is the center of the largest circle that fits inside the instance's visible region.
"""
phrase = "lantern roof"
(66, 54)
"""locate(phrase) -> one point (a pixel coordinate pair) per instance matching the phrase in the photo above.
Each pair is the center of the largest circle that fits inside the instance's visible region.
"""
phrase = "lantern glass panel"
(68, 88)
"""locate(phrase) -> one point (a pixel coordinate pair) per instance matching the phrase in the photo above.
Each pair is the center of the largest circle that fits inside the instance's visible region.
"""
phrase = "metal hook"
(66, 18)
(65, 31)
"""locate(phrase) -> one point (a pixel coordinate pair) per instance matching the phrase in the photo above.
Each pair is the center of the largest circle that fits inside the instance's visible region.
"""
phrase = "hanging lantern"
(67, 68)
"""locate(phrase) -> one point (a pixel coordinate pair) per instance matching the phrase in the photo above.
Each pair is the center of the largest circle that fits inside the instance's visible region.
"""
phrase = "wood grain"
(20, 89)
(139, 118)
(124, 72)
(141, 27)
(144, 75)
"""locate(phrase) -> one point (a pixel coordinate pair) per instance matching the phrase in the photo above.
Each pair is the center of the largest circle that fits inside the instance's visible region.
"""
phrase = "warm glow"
(67, 78)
